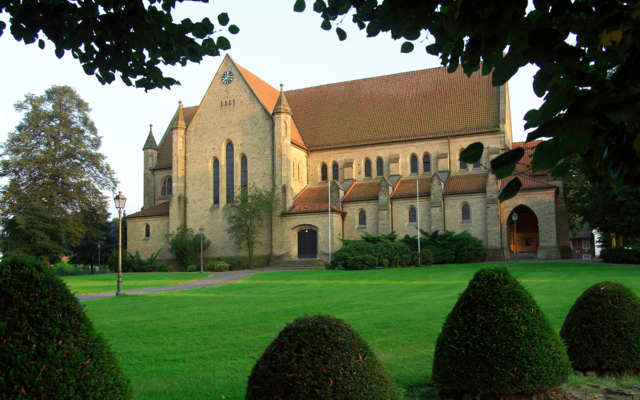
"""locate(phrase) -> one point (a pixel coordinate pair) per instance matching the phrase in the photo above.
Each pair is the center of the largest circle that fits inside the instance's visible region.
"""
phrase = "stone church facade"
(373, 155)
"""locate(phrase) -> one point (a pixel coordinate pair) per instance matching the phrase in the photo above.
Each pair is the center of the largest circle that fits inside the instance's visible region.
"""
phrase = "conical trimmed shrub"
(49, 349)
(319, 357)
(497, 340)
(602, 330)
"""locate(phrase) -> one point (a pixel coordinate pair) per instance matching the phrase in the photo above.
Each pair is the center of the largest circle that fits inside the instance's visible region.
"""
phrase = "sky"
(275, 43)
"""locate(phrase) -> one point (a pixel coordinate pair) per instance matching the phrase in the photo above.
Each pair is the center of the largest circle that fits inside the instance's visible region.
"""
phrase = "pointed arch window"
(466, 212)
(413, 215)
(362, 218)
(216, 182)
(379, 167)
(323, 173)
(244, 175)
(147, 231)
(414, 164)
(336, 172)
(367, 169)
(463, 165)
(426, 163)
(167, 187)
(230, 184)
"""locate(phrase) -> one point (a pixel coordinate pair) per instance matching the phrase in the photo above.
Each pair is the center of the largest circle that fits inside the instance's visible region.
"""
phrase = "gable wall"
(477, 226)
(300, 158)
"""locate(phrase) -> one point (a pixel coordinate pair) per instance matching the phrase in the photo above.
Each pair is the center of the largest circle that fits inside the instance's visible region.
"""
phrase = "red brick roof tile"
(362, 192)
(155, 211)
(528, 182)
(412, 105)
(524, 165)
(312, 200)
(406, 188)
(466, 184)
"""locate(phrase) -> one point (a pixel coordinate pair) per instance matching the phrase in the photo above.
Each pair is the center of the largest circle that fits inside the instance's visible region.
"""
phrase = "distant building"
(368, 145)
(583, 244)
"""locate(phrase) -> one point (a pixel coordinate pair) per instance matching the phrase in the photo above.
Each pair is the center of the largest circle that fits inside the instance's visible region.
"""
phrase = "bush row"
(135, 263)
(620, 255)
(448, 247)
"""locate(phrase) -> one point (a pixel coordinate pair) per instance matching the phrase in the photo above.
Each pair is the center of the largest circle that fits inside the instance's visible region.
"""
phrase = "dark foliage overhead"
(497, 340)
(602, 330)
(49, 348)
(319, 357)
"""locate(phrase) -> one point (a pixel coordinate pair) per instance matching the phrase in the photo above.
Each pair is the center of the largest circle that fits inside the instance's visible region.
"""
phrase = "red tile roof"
(406, 188)
(524, 165)
(466, 184)
(312, 200)
(155, 211)
(528, 182)
(412, 105)
(362, 192)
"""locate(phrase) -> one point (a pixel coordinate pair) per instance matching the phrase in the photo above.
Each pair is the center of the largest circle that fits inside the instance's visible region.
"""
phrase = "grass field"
(202, 344)
(90, 284)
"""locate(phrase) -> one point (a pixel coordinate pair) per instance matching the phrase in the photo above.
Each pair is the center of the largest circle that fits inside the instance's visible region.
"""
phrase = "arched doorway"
(307, 243)
(525, 231)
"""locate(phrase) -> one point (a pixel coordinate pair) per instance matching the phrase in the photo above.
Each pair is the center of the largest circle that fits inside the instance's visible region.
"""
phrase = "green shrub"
(392, 249)
(191, 268)
(319, 357)
(384, 263)
(426, 257)
(415, 259)
(218, 266)
(497, 340)
(236, 265)
(185, 246)
(49, 347)
(566, 253)
(350, 249)
(395, 262)
(112, 261)
(468, 248)
(620, 255)
(161, 267)
(361, 262)
(448, 247)
(602, 330)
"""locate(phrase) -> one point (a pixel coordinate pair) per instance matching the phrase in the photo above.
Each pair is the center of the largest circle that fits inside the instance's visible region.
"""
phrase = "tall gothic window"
(414, 164)
(466, 212)
(244, 178)
(426, 163)
(367, 169)
(362, 218)
(336, 172)
(230, 184)
(463, 165)
(323, 172)
(216, 181)
(412, 215)
(167, 187)
(379, 167)
(147, 231)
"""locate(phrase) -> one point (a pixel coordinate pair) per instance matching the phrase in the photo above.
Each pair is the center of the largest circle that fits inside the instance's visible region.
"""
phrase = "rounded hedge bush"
(602, 330)
(319, 357)
(49, 348)
(497, 340)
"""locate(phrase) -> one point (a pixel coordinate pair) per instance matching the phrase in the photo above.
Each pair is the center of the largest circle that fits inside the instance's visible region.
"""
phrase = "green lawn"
(202, 344)
(90, 284)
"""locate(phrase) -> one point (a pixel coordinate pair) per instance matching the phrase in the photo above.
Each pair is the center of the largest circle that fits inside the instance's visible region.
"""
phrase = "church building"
(373, 156)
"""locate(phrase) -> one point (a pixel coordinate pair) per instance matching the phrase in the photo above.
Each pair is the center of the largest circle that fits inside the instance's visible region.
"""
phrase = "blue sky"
(275, 43)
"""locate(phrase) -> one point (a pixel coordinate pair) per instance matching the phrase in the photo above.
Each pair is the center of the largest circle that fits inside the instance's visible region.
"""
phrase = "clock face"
(227, 77)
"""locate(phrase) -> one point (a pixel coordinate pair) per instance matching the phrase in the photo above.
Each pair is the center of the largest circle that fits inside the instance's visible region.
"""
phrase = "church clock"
(227, 77)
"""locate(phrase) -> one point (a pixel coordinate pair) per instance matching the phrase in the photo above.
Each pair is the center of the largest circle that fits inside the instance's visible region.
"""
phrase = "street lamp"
(201, 259)
(120, 201)
(99, 257)
(514, 217)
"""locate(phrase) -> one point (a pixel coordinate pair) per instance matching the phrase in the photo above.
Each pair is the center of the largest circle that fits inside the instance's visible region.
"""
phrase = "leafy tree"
(588, 54)
(54, 175)
(185, 245)
(86, 252)
(246, 216)
(576, 191)
(108, 37)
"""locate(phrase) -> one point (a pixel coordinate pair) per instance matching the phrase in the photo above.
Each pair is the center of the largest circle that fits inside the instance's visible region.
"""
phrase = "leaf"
(407, 47)
(342, 35)
(636, 143)
(233, 29)
(551, 128)
(545, 157)
(487, 67)
(59, 52)
(223, 43)
(41, 43)
(472, 153)
(611, 38)
(504, 165)
(510, 190)
(561, 169)
(532, 117)
(299, 6)
(319, 6)
(326, 25)
(506, 68)
(223, 19)
(433, 49)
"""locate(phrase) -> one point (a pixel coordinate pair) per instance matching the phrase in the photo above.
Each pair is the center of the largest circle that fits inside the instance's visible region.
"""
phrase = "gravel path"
(215, 279)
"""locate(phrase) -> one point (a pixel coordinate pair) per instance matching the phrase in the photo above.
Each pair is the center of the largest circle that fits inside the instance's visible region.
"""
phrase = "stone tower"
(150, 151)
(178, 208)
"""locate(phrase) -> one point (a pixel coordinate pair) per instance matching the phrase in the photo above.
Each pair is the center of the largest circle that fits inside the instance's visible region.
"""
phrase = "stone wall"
(477, 226)
(401, 223)
(299, 179)
(351, 228)
(157, 240)
(293, 223)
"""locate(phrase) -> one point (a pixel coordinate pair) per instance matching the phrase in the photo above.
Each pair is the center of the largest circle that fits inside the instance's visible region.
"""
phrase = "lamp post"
(99, 257)
(201, 259)
(119, 201)
(514, 217)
